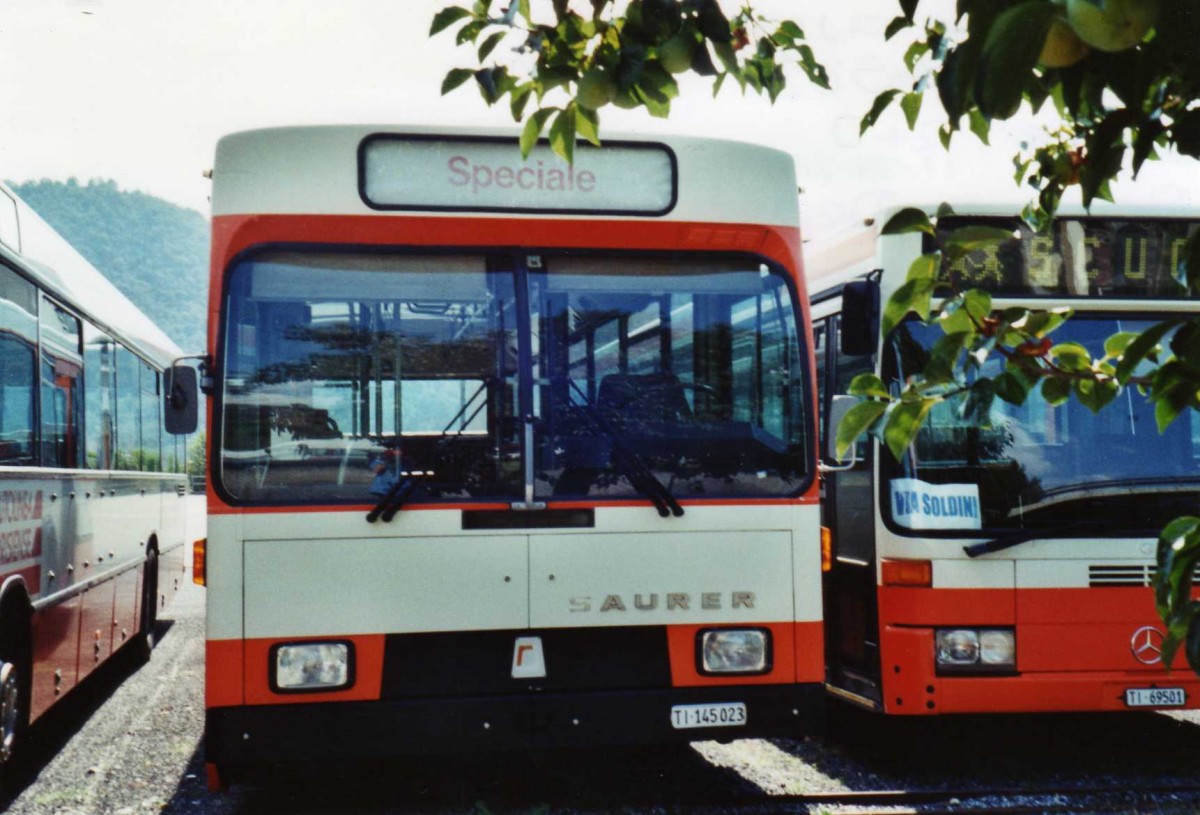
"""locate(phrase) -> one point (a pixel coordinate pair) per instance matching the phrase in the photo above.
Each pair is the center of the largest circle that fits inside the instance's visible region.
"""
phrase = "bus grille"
(1126, 574)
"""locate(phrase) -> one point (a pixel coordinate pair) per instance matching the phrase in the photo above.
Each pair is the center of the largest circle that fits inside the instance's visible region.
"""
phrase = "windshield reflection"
(1043, 466)
(347, 374)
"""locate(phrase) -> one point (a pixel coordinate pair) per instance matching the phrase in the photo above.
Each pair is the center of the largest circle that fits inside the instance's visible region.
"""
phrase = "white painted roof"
(315, 170)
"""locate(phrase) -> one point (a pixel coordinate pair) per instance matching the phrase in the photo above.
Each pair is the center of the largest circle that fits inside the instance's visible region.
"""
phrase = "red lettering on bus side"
(521, 178)
(504, 177)
(586, 181)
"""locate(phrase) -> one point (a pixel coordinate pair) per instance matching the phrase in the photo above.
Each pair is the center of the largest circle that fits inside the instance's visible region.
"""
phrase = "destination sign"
(489, 175)
(1098, 257)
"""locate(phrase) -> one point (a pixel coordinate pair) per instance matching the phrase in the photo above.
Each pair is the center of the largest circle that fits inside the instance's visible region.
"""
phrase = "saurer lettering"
(674, 601)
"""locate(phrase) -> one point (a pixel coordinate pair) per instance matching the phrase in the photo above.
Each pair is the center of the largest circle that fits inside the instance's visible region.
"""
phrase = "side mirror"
(181, 400)
(838, 408)
(860, 317)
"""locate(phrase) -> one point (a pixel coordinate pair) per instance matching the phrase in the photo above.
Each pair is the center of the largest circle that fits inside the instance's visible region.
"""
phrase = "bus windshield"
(1038, 466)
(347, 371)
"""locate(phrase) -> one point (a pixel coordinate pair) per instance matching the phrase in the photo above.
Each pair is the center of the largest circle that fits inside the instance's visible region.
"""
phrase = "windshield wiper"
(396, 496)
(639, 475)
(1018, 538)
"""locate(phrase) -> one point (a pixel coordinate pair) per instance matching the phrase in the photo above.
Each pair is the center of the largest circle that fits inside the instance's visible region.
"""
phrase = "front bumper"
(238, 736)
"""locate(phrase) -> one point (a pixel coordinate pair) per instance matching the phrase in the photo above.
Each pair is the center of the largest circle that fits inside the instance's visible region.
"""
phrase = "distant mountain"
(152, 250)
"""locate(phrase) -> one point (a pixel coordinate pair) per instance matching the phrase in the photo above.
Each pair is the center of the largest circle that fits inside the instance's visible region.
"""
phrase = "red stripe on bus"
(795, 651)
(223, 661)
(911, 685)
(907, 605)
(224, 509)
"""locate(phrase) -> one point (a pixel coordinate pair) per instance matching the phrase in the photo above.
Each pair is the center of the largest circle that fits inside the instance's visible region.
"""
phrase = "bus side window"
(151, 421)
(100, 397)
(61, 404)
(18, 373)
(129, 431)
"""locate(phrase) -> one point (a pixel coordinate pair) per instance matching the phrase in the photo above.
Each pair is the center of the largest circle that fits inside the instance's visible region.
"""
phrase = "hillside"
(154, 251)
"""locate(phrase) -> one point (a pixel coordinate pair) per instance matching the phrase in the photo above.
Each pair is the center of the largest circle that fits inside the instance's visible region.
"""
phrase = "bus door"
(848, 510)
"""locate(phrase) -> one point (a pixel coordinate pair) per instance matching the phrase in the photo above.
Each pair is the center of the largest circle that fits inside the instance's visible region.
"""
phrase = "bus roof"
(32, 246)
(716, 181)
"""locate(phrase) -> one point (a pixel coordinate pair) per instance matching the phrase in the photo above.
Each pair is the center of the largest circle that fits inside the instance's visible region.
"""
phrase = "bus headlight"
(976, 650)
(312, 666)
(735, 651)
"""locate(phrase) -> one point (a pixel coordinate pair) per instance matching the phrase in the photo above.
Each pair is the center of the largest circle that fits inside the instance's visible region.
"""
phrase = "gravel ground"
(131, 742)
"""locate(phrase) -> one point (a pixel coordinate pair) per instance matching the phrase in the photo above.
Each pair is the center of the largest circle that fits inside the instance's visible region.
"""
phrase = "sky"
(139, 91)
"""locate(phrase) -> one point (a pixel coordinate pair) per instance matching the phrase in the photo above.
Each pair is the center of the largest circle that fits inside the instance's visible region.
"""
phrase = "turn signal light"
(199, 568)
(918, 573)
(826, 549)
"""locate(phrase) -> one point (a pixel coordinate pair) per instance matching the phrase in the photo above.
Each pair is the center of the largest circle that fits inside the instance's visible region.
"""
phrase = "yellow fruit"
(596, 89)
(676, 53)
(1062, 47)
(1112, 25)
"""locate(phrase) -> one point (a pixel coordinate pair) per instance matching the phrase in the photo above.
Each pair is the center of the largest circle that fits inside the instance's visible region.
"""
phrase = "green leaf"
(455, 78)
(877, 108)
(587, 124)
(562, 134)
(868, 385)
(896, 26)
(914, 53)
(911, 105)
(1115, 345)
(1178, 553)
(978, 303)
(1096, 394)
(1040, 323)
(943, 357)
(980, 125)
(1167, 410)
(519, 98)
(912, 296)
(903, 424)
(969, 239)
(1186, 133)
(957, 78)
(533, 129)
(446, 18)
(1071, 356)
(1142, 347)
(857, 421)
(908, 220)
(1056, 390)
(925, 267)
(1012, 388)
(1010, 53)
(489, 45)
(523, 10)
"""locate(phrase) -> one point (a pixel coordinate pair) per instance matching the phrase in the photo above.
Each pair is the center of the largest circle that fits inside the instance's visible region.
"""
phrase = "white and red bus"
(1006, 567)
(92, 490)
(503, 452)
